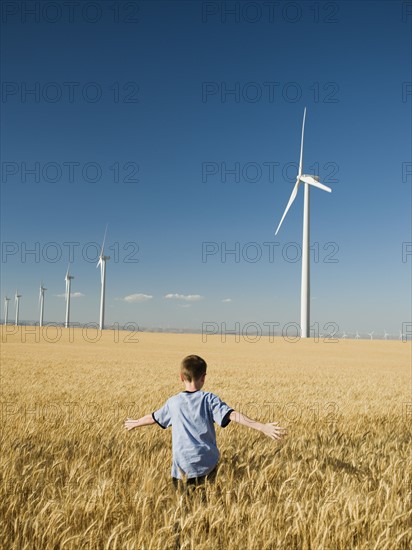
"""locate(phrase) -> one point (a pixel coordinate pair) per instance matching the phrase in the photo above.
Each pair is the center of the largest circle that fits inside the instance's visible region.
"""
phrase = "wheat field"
(73, 477)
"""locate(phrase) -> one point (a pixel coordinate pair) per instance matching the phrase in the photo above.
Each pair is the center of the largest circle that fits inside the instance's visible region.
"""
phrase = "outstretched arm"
(271, 429)
(144, 421)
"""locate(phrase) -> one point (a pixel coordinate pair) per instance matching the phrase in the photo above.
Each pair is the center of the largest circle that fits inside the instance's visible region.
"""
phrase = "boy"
(191, 413)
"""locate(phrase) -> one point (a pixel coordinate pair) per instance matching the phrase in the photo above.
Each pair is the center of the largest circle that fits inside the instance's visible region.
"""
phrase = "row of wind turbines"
(357, 336)
(307, 180)
(68, 278)
(102, 264)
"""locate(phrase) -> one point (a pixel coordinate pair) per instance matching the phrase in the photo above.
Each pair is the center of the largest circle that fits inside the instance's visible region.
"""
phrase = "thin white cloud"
(131, 298)
(227, 300)
(72, 295)
(185, 297)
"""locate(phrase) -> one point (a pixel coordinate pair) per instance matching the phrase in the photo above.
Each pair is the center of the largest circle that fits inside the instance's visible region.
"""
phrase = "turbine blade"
(311, 180)
(291, 199)
(104, 240)
(301, 144)
(68, 268)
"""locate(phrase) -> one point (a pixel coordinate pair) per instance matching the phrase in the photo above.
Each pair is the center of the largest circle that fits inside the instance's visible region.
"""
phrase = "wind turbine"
(344, 335)
(41, 303)
(371, 334)
(307, 180)
(102, 263)
(385, 335)
(401, 335)
(6, 309)
(17, 297)
(68, 280)
(357, 335)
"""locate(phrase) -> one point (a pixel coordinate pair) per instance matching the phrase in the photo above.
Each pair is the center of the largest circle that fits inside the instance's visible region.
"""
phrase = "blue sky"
(166, 118)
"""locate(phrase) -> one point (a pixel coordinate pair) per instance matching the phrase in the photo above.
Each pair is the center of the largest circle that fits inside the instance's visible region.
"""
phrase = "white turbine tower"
(357, 335)
(371, 334)
(17, 297)
(102, 263)
(41, 303)
(344, 335)
(68, 280)
(6, 309)
(305, 283)
(385, 335)
(401, 335)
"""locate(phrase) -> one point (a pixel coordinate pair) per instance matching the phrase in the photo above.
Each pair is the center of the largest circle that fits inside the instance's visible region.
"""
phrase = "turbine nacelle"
(102, 259)
(68, 277)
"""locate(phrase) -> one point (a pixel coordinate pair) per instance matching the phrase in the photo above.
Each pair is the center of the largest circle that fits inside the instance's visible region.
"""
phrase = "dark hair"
(193, 367)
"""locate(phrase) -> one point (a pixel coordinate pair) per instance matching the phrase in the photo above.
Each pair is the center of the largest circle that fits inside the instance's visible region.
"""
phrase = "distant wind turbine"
(344, 335)
(385, 335)
(41, 303)
(401, 335)
(6, 309)
(371, 334)
(17, 297)
(305, 283)
(357, 335)
(102, 263)
(68, 280)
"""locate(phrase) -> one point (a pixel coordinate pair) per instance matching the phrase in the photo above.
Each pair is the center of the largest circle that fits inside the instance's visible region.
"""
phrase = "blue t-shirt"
(191, 415)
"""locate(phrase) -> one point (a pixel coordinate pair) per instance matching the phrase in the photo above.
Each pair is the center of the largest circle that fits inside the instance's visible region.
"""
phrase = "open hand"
(130, 424)
(273, 430)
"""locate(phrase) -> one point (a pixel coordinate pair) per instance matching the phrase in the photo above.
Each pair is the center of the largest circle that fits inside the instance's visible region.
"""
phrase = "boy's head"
(193, 368)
